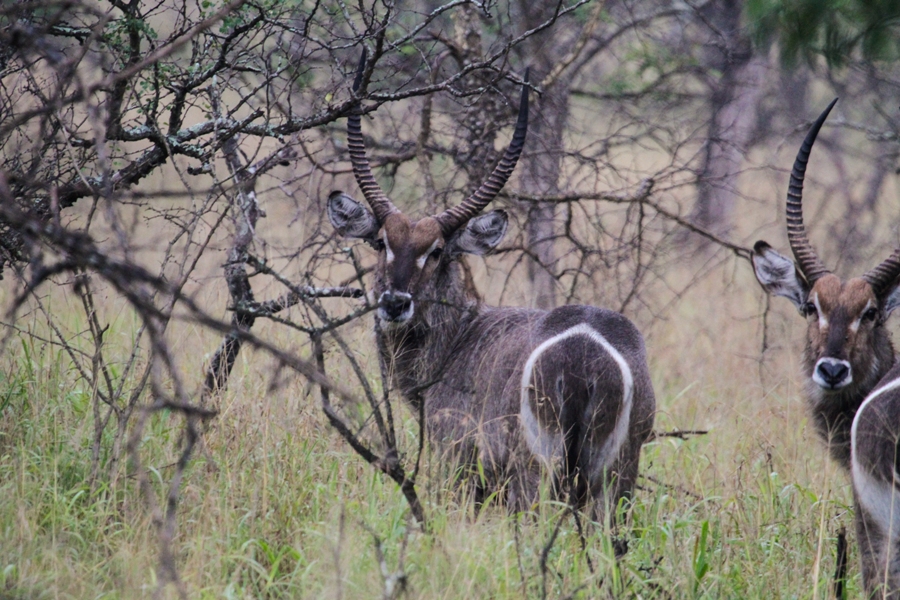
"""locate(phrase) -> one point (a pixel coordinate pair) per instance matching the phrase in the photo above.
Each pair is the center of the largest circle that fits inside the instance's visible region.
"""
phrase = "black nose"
(394, 304)
(833, 373)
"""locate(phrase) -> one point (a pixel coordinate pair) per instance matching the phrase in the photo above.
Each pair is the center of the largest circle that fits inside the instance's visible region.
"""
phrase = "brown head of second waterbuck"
(848, 349)
(508, 392)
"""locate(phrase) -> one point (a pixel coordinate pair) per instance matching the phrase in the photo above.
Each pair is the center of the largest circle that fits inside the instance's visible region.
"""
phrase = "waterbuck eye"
(436, 253)
(870, 314)
(808, 309)
(378, 244)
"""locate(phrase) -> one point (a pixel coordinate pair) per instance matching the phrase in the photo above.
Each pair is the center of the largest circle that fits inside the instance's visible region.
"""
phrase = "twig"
(642, 196)
(518, 542)
(681, 434)
(679, 488)
(545, 551)
(840, 569)
(394, 582)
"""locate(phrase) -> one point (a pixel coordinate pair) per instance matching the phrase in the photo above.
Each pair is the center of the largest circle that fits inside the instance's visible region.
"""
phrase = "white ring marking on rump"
(545, 444)
(878, 497)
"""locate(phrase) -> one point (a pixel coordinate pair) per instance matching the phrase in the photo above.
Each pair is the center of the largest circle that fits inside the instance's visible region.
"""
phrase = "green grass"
(275, 505)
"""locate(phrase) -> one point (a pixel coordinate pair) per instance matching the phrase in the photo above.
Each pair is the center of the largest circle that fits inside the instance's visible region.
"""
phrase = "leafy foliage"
(836, 29)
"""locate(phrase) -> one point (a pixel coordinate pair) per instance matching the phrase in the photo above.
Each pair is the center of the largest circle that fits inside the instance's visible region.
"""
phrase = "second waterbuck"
(848, 355)
(848, 349)
(507, 392)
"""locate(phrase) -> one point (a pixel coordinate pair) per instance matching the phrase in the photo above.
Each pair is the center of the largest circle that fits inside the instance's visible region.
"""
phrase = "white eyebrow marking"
(387, 248)
(823, 320)
(420, 262)
(854, 327)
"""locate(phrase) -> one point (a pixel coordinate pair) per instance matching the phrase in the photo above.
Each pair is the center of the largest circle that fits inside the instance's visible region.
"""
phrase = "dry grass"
(276, 505)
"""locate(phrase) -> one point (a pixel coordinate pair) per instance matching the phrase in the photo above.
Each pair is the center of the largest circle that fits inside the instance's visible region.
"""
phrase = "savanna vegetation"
(191, 399)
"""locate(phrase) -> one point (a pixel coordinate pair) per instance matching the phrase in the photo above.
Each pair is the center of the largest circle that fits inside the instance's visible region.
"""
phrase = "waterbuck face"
(414, 254)
(411, 253)
(846, 339)
(841, 335)
(846, 318)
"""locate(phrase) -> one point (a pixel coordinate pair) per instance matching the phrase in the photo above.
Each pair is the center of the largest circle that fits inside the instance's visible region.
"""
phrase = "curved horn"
(882, 276)
(809, 263)
(451, 219)
(381, 206)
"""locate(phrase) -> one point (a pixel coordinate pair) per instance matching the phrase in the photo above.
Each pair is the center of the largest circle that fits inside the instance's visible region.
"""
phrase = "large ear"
(480, 235)
(351, 218)
(892, 300)
(778, 274)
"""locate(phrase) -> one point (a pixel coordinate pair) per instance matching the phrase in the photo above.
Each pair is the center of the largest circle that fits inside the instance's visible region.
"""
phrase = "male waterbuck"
(848, 349)
(848, 352)
(505, 390)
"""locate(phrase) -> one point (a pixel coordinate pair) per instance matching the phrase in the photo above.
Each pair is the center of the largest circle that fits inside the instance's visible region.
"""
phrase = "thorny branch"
(643, 196)
(245, 212)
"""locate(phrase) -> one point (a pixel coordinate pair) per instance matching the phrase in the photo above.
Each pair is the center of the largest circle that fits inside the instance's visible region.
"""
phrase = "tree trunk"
(540, 167)
(732, 103)
(483, 118)
(541, 162)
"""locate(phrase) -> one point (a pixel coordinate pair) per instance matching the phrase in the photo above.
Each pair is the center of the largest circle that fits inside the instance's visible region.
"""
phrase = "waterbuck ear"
(480, 235)
(778, 274)
(351, 218)
(892, 300)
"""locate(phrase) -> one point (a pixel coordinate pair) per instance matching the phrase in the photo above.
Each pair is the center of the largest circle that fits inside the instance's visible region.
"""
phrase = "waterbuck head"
(848, 348)
(413, 254)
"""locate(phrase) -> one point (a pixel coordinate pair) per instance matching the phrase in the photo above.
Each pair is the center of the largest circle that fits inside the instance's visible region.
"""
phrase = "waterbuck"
(506, 391)
(848, 352)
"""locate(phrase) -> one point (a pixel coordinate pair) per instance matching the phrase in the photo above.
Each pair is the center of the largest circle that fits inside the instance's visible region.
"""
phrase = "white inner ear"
(778, 275)
(892, 301)
(389, 254)
(420, 262)
(823, 320)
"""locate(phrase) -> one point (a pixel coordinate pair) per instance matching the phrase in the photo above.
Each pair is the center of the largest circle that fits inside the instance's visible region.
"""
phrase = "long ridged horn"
(882, 276)
(809, 263)
(381, 206)
(454, 217)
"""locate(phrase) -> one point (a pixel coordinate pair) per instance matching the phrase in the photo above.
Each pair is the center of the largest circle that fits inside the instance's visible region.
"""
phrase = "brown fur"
(504, 390)
(868, 350)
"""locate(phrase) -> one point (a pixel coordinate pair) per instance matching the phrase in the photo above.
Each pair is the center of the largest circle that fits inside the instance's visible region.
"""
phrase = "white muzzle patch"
(387, 308)
(832, 373)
